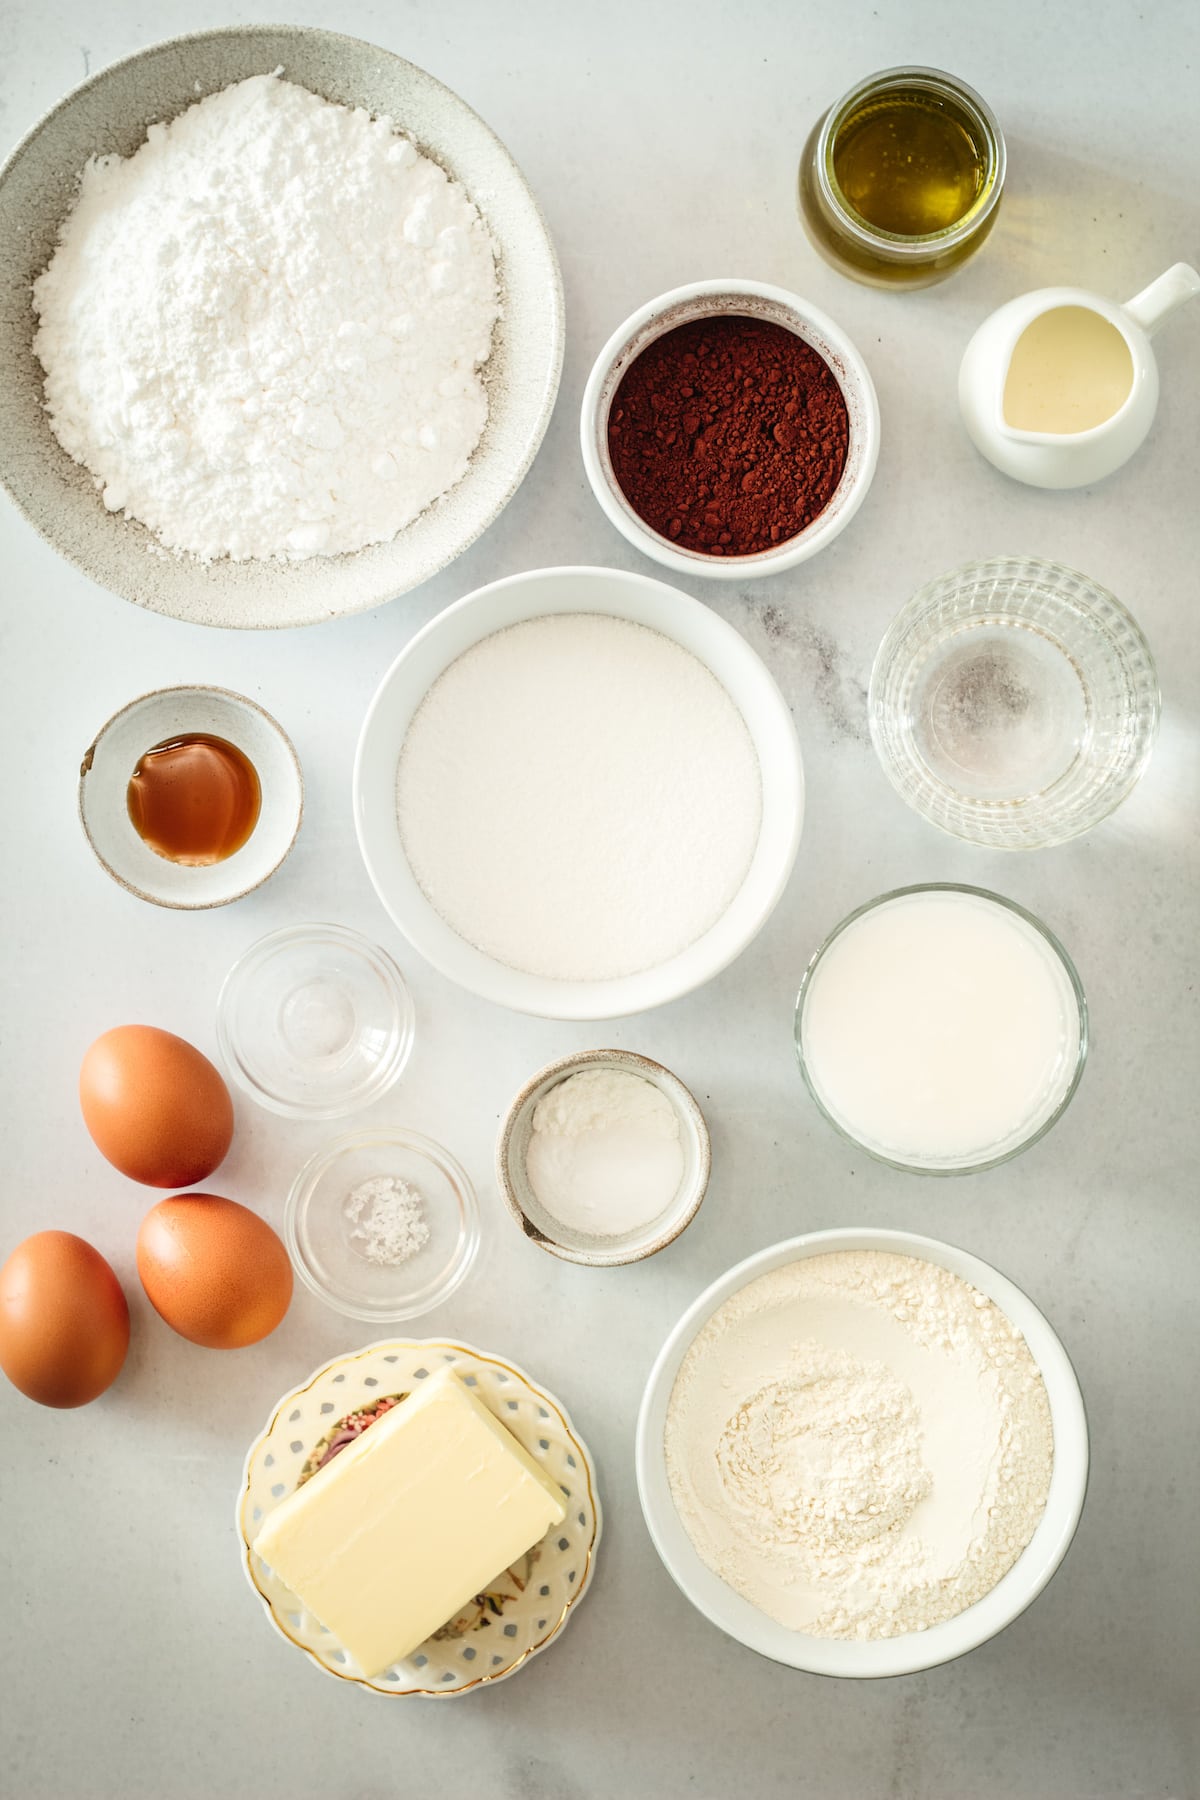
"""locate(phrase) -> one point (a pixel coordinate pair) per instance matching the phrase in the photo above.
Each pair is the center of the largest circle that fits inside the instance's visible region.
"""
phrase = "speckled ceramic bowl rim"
(678, 307)
(131, 706)
(908, 1654)
(684, 1102)
(370, 1137)
(1052, 943)
(432, 564)
(460, 1348)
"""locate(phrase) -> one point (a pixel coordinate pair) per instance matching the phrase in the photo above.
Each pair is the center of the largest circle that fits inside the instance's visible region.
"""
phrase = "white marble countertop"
(662, 141)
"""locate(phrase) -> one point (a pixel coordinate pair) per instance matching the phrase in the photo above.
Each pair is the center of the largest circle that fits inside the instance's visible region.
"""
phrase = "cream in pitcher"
(1058, 388)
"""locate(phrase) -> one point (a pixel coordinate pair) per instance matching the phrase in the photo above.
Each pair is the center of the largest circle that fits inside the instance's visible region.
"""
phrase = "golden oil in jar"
(908, 165)
(900, 182)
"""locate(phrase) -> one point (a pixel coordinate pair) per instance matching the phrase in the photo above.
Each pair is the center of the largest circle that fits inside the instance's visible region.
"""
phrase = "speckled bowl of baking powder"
(110, 113)
(569, 1242)
(911, 1651)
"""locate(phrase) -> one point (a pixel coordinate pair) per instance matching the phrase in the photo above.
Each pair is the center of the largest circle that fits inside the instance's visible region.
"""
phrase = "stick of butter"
(409, 1522)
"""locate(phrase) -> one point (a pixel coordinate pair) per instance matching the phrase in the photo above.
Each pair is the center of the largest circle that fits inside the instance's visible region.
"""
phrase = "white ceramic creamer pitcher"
(1059, 387)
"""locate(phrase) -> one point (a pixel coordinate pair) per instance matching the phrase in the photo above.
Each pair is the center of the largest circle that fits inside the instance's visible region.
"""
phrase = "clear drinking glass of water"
(1014, 703)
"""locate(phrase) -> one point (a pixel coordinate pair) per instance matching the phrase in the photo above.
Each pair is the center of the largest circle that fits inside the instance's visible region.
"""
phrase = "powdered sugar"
(262, 332)
(860, 1443)
(579, 797)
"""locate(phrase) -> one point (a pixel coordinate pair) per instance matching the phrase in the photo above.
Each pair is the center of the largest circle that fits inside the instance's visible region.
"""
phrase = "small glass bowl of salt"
(382, 1224)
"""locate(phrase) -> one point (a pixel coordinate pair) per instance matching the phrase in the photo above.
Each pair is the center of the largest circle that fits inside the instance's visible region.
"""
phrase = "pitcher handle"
(1158, 301)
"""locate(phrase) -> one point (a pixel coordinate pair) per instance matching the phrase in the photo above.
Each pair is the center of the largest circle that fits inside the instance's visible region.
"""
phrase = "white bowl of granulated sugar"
(862, 1453)
(578, 793)
(281, 326)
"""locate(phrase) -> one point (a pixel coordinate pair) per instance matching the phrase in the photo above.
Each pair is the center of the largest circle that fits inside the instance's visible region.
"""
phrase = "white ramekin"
(914, 1650)
(644, 601)
(756, 299)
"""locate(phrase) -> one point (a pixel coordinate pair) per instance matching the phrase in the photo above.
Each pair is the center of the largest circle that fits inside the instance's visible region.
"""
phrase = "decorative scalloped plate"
(524, 1610)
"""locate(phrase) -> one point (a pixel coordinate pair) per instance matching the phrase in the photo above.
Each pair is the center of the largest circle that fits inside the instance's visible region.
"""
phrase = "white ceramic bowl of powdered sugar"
(862, 1453)
(578, 793)
(281, 324)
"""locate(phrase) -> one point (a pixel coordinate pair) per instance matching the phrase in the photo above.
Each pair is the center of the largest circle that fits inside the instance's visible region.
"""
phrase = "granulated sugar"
(860, 1444)
(262, 332)
(579, 797)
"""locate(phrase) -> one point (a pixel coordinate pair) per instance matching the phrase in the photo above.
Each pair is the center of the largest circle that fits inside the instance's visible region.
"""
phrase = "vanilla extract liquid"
(194, 799)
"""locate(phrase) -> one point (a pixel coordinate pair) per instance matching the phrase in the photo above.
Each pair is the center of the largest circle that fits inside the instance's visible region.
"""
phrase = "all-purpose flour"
(860, 1444)
(262, 333)
(579, 797)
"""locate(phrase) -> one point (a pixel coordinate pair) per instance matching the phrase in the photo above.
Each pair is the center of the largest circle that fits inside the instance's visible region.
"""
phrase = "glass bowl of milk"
(1014, 703)
(942, 1029)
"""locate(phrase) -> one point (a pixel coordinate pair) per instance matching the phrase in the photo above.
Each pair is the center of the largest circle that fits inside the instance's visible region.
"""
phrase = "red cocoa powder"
(728, 435)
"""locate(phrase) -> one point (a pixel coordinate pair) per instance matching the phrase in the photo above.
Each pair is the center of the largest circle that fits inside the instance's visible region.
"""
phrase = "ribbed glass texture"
(1014, 703)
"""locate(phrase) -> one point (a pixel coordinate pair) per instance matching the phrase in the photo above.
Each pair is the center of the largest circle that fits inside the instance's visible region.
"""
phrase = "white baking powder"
(262, 332)
(860, 1444)
(604, 1155)
(388, 1217)
(579, 797)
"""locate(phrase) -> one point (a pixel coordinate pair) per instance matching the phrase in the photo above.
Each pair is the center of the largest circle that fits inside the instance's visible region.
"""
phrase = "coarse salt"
(389, 1220)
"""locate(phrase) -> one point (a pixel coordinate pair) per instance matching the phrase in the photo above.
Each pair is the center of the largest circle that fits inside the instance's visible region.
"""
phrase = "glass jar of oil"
(901, 180)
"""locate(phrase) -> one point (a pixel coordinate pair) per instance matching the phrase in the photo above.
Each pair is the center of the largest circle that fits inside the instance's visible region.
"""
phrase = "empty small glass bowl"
(1014, 703)
(330, 1227)
(314, 1021)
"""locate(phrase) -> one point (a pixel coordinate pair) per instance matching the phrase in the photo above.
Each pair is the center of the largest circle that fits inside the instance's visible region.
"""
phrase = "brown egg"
(64, 1321)
(214, 1270)
(155, 1107)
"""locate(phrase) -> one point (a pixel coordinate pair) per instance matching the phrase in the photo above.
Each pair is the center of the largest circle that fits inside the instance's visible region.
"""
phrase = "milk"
(1070, 370)
(1058, 388)
(940, 1028)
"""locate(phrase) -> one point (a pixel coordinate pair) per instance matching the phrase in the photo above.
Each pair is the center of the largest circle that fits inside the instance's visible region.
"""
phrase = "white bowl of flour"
(862, 1453)
(579, 793)
(286, 356)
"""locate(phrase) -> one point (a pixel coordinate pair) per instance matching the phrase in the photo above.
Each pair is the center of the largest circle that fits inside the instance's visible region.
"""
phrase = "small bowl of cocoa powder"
(729, 429)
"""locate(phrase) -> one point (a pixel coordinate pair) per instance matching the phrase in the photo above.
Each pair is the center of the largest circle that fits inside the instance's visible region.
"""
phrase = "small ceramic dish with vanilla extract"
(724, 300)
(191, 797)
